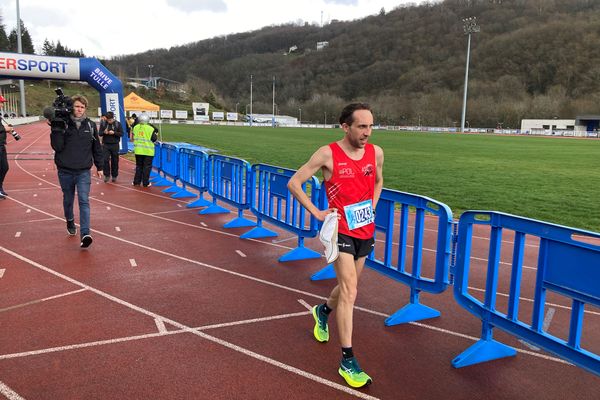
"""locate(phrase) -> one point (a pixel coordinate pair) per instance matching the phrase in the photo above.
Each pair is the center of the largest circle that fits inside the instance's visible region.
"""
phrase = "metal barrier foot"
(214, 209)
(200, 202)
(183, 194)
(482, 351)
(258, 232)
(162, 182)
(411, 312)
(326, 273)
(299, 253)
(171, 189)
(239, 222)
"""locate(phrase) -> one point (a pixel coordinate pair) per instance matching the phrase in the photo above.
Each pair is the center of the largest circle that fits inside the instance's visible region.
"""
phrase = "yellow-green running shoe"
(321, 330)
(353, 374)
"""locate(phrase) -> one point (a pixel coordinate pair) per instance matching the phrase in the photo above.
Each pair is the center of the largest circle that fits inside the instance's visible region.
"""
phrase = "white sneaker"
(328, 236)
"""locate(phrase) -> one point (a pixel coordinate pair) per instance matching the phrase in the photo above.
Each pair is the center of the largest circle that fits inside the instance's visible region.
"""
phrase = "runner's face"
(358, 133)
(78, 109)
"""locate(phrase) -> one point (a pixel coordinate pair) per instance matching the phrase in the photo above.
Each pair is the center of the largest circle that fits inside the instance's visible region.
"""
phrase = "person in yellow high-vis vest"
(144, 136)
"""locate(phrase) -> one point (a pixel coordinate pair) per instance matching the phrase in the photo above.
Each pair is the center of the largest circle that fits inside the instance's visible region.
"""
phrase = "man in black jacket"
(3, 157)
(76, 147)
(111, 132)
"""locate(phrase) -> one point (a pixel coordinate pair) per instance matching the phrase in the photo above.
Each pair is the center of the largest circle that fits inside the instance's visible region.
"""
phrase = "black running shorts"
(357, 247)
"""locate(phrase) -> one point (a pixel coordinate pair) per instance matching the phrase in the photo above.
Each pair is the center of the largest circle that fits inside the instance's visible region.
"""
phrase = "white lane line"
(132, 262)
(252, 321)
(305, 304)
(531, 301)
(117, 229)
(2, 272)
(240, 253)
(193, 331)
(284, 240)
(160, 325)
(9, 393)
(203, 224)
(29, 303)
(147, 336)
(545, 326)
(18, 234)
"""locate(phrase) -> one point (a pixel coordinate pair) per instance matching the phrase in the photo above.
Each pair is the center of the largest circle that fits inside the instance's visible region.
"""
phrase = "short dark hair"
(347, 117)
(110, 115)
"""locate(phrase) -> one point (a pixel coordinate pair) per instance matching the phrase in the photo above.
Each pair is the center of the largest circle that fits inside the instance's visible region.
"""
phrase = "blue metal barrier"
(568, 264)
(193, 172)
(169, 165)
(275, 204)
(394, 265)
(229, 181)
(161, 152)
(154, 176)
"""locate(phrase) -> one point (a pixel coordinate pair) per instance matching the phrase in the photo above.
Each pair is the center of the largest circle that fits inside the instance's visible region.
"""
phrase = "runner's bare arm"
(318, 160)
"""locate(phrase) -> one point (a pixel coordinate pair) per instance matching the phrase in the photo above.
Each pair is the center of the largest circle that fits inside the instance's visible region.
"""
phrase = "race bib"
(359, 214)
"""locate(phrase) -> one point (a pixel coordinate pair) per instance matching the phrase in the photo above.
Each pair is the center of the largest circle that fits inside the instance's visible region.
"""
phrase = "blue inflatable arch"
(90, 70)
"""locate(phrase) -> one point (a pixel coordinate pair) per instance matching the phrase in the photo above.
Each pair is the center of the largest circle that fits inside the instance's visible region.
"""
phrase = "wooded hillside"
(532, 59)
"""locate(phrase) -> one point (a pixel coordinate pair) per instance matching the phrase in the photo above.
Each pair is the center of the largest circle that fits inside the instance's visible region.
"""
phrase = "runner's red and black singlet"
(351, 182)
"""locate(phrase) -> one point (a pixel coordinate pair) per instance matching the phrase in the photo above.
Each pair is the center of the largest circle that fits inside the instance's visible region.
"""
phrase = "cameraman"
(3, 157)
(111, 132)
(76, 146)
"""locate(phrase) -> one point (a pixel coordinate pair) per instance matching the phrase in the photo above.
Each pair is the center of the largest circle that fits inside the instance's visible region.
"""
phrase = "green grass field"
(551, 179)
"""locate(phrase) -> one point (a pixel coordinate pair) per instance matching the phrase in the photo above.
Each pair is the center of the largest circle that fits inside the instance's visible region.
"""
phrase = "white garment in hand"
(328, 236)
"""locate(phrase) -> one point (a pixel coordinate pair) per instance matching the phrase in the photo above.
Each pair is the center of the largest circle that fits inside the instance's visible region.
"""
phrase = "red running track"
(166, 304)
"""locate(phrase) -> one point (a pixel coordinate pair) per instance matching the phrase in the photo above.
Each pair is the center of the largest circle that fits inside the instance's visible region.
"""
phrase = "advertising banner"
(218, 116)
(181, 114)
(200, 111)
(166, 113)
(43, 67)
(232, 116)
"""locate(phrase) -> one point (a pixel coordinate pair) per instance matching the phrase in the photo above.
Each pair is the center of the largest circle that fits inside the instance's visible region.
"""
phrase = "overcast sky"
(113, 27)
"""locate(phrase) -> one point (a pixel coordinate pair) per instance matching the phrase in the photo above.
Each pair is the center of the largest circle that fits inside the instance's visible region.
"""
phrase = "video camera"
(15, 134)
(60, 112)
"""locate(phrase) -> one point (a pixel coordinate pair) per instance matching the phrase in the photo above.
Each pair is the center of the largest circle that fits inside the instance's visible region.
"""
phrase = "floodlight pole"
(150, 75)
(273, 120)
(20, 50)
(470, 26)
(251, 100)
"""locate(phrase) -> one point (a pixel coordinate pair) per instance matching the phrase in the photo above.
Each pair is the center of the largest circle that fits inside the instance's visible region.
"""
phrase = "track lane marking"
(29, 303)
(194, 331)
(9, 393)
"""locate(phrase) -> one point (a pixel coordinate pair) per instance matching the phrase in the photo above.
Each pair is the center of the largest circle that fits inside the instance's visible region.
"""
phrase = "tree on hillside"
(50, 49)
(4, 44)
(26, 42)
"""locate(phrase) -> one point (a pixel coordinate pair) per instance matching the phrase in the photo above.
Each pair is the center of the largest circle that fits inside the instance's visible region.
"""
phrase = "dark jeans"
(3, 164)
(143, 166)
(110, 152)
(80, 180)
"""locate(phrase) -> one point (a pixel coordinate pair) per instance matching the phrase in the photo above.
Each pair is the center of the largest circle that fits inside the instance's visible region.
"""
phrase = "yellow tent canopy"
(134, 102)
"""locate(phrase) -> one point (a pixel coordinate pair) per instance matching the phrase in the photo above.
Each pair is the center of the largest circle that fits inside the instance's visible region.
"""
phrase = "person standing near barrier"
(3, 155)
(111, 131)
(144, 136)
(353, 177)
(76, 148)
